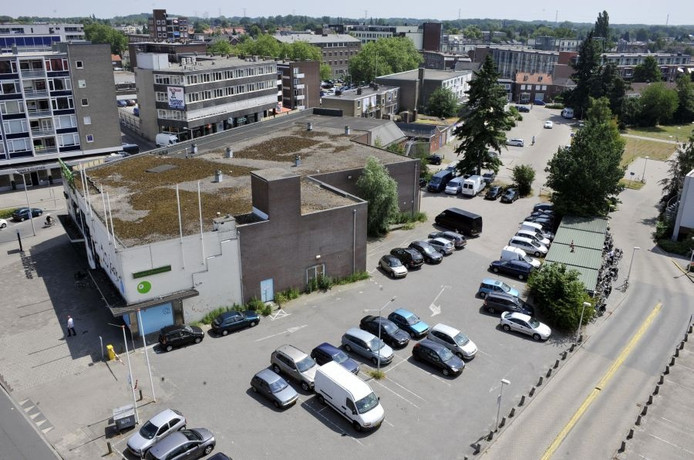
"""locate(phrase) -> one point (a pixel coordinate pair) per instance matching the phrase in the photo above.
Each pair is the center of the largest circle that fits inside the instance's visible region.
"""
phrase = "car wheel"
(305, 386)
(375, 361)
(495, 269)
(198, 339)
(3, 225)
(413, 335)
(537, 254)
(506, 327)
(536, 337)
(169, 347)
(520, 277)
(21, 219)
(356, 426)
(225, 332)
(491, 310)
(255, 390)
(276, 404)
(276, 368)
(321, 399)
(392, 275)
(460, 355)
(208, 449)
(348, 348)
(483, 295)
(445, 372)
(253, 324)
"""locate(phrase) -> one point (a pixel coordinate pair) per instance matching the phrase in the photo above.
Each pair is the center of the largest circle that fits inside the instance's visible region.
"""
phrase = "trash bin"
(124, 417)
(111, 354)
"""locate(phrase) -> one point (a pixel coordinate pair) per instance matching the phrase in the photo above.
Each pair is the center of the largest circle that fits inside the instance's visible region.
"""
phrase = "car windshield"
(305, 364)
(278, 385)
(367, 403)
(429, 250)
(376, 344)
(394, 262)
(534, 323)
(505, 287)
(412, 320)
(187, 328)
(445, 354)
(528, 259)
(461, 339)
(148, 430)
(340, 357)
(389, 327)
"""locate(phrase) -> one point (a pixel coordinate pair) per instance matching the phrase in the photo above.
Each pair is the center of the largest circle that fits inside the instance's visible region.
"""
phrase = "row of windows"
(46, 145)
(338, 45)
(537, 87)
(8, 66)
(339, 53)
(217, 93)
(222, 75)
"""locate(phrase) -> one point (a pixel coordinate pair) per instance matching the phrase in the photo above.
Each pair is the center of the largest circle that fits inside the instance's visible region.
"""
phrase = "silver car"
(274, 388)
(367, 345)
(442, 245)
(156, 428)
(454, 340)
(184, 444)
(296, 364)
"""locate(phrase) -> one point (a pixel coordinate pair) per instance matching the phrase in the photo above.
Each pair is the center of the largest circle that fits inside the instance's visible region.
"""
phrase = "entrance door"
(267, 292)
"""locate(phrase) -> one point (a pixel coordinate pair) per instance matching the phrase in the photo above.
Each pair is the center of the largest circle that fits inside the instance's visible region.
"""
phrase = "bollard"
(686, 336)
(623, 447)
(580, 338)
(638, 420)
(549, 372)
(502, 422)
(512, 413)
(690, 328)
(490, 436)
(677, 353)
(109, 447)
(556, 364)
(662, 379)
(650, 399)
(656, 390)
(532, 391)
(681, 346)
(672, 361)
(631, 433)
(476, 446)
(667, 370)
(571, 348)
(563, 355)
(140, 395)
(644, 411)
(522, 401)
(539, 382)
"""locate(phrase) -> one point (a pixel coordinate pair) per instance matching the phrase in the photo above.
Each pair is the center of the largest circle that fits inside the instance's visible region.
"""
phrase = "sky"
(672, 12)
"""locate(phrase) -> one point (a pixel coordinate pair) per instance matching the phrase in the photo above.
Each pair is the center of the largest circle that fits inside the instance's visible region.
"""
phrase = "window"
(87, 120)
(68, 140)
(15, 126)
(85, 102)
(10, 107)
(18, 145)
(90, 138)
(79, 64)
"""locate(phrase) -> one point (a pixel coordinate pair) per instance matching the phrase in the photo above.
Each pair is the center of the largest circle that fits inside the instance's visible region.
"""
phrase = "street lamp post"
(498, 402)
(378, 361)
(580, 321)
(643, 176)
(631, 263)
(31, 214)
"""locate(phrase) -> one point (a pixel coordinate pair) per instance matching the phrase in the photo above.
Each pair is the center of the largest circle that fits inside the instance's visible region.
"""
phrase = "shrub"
(210, 316)
(523, 176)
(407, 217)
(683, 248)
(354, 277)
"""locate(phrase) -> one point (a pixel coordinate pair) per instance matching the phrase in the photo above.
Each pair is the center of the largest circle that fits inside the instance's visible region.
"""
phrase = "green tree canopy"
(101, 33)
(680, 166)
(383, 57)
(472, 32)
(585, 71)
(523, 177)
(602, 31)
(685, 96)
(220, 47)
(585, 176)
(648, 71)
(381, 191)
(263, 45)
(486, 123)
(442, 103)
(657, 104)
(302, 51)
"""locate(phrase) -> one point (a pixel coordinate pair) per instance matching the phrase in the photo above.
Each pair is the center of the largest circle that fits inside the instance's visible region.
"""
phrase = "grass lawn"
(635, 148)
(673, 133)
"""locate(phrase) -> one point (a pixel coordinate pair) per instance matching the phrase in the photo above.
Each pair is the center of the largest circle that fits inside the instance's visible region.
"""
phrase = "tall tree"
(486, 123)
(585, 176)
(685, 96)
(680, 166)
(611, 85)
(101, 33)
(442, 103)
(585, 70)
(383, 57)
(648, 71)
(381, 191)
(657, 104)
(602, 31)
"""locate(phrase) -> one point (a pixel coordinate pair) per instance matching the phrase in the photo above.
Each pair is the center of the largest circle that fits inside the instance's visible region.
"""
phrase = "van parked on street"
(349, 396)
(460, 221)
(164, 139)
(473, 185)
(438, 181)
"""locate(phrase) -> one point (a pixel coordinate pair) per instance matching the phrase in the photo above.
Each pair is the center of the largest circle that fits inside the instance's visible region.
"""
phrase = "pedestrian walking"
(70, 326)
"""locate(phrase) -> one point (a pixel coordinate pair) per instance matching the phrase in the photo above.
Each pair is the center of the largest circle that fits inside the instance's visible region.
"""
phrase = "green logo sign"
(144, 287)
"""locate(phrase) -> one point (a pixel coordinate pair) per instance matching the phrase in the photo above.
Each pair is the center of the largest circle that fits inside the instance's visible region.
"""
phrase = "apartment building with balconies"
(163, 27)
(301, 84)
(374, 101)
(336, 49)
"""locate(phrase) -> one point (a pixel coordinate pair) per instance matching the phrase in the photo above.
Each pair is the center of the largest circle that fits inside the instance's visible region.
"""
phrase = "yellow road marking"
(626, 351)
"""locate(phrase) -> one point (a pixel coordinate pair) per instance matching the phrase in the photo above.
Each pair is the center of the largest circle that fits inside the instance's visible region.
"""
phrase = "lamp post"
(26, 193)
(580, 321)
(378, 361)
(498, 402)
(631, 263)
(643, 176)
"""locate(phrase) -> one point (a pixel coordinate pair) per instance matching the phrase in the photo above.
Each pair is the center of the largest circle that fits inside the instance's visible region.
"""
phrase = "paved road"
(19, 439)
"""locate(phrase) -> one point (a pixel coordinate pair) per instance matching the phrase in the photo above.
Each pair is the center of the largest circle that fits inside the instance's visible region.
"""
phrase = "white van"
(349, 395)
(164, 139)
(538, 229)
(473, 185)
(567, 113)
(533, 235)
(528, 245)
(454, 186)
(511, 253)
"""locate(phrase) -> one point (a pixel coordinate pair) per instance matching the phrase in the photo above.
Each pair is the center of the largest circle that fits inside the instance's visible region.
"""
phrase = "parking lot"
(427, 414)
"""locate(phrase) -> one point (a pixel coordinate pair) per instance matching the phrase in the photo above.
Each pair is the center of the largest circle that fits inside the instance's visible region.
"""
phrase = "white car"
(549, 124)
(3, 223)
(516, 142)
(528, 245)
(526, 324)
(454, 340)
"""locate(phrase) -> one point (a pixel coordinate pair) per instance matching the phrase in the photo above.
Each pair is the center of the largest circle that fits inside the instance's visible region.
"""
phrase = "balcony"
(40, 73)
(39, 112)
(302, 86)
(35, 93)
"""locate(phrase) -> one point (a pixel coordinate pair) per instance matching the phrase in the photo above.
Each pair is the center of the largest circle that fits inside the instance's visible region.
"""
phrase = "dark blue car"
(409, 322)
(233, 321)
(518, 268)
(23, 214)
(326, 352)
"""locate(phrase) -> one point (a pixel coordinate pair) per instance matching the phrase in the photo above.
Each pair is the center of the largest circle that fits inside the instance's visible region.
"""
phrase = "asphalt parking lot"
(427, 414)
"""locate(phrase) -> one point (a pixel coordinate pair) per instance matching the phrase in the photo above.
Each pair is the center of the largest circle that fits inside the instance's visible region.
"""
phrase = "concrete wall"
(684, 222)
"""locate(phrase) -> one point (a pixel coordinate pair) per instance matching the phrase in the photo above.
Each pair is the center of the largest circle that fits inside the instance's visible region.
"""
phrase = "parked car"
(179, 335)
(367, 345)
(296, 364)
(549, 124)
(430, 255)
(219, 456)
(454, 340)
(3, 224)
(410, 257)
(528, 245)
(184, 444)
(543, 207)
(442, 245)
(154, 429)
(523, 108)
(525, 324)
(509, 196)
(22, 214)
(493, 193)
(496, 302)
(454, 186)
(392, 266)
(326, 352)
(438, 356)
(540, 239)
(409, 322)
(390, 333)
(516, 142)
(539, 102)
(273, 387)
(434, 159)
(517, 268)
(491, 285)
(121, 103)
(458, 240)
(233, 321)
(489, 177)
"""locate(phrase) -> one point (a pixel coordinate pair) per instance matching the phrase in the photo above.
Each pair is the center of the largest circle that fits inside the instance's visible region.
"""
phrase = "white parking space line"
(385, 420)
(335, 425)
(398, 394)
(291, 330)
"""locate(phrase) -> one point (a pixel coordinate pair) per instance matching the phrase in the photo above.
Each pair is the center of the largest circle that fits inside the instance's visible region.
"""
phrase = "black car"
(509, 196)
(23, 214)
(390, 333)
(547, 222)
(498, 302)
(434, 159)
(523, 108)
(518, 268)
(489, 177)
(234, 320)
(543, 207)
(493, 193)
(458, 240)
(409, 257)
(171, 337)
(430, 255)
(438, 356)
